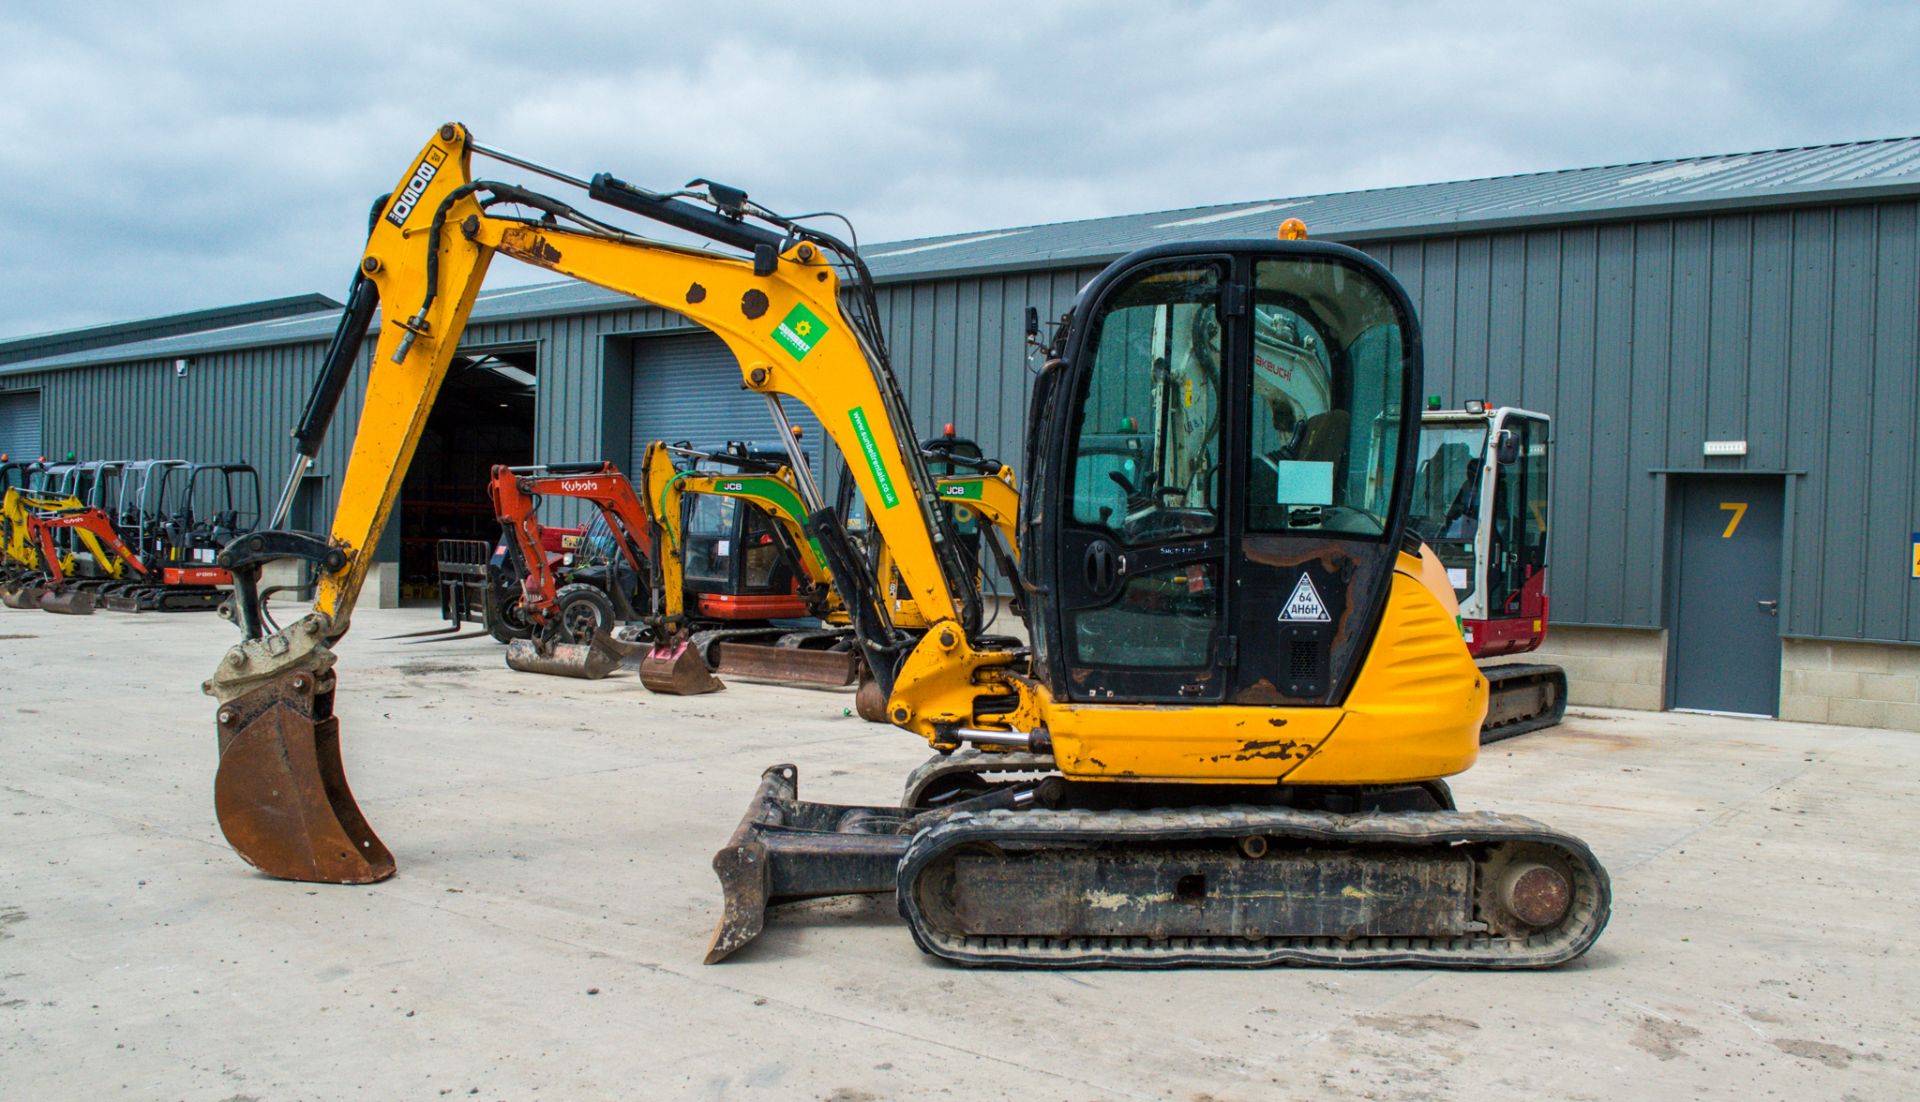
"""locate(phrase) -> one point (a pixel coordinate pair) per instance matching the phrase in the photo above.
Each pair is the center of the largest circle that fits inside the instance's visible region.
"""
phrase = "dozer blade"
(68, 602)
(121, 601)
(280, 792)
(786, 850)
(676, 668)
(835, 668)
(589, 661)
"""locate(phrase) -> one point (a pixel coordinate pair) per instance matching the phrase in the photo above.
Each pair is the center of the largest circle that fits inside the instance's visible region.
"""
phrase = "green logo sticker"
(871, 451)
(970, 489)
(799, 331)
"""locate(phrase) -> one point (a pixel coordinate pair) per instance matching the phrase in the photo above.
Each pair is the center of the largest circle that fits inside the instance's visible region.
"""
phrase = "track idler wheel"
(71, 601)
(280, 792)
(675, 667)
(589, 661)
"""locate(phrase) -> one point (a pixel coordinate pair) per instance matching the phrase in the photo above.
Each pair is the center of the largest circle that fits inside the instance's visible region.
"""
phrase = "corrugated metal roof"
(1846, 171)
(36, 346)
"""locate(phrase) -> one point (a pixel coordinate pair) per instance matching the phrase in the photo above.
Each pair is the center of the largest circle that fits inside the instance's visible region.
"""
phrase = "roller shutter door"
(687, 387)
(20, 424)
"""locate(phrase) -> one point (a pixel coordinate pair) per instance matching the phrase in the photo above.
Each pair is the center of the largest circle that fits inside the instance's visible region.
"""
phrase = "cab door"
(1138, 562)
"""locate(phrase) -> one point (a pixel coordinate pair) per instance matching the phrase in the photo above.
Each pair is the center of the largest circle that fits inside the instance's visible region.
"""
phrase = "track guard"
(281, 794)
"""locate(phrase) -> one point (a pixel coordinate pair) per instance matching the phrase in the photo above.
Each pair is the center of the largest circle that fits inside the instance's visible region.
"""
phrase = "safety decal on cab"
(1305, 604)
(799, 331)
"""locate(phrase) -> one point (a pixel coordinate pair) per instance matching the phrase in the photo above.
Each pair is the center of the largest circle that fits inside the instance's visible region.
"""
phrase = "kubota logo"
(416, 185)
(579, 487)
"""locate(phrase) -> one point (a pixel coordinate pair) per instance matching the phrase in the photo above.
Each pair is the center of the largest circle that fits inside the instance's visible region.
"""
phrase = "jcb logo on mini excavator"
(416, 185)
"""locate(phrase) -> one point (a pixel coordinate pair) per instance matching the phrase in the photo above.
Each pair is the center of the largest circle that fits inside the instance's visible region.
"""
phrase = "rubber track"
(1519, 676)
(1586, 917)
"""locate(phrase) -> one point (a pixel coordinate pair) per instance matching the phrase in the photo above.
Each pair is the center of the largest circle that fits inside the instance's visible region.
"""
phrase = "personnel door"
(1725, 645)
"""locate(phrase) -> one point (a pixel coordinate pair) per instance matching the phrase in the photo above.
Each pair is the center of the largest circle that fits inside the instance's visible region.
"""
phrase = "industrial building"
(1729, 347)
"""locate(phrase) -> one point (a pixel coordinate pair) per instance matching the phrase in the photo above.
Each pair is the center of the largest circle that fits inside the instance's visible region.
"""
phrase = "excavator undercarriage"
(1054, 873)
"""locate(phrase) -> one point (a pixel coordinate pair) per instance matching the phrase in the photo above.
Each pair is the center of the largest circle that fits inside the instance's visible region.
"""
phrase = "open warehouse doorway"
(484, 416)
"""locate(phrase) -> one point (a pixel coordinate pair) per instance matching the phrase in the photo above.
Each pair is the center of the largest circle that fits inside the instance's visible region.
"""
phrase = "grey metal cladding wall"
(959, 348)
(1796, 330)
(228, 406)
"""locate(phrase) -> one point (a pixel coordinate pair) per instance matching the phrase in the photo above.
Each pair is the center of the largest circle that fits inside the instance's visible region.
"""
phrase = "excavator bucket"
(676, 668)
(588, 661)
(68, 602)
(280, 793)
(794, 665)
(23, 594)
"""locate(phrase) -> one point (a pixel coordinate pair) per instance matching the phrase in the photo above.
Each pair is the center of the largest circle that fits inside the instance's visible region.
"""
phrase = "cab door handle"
(1101, 568)
(1771, 608)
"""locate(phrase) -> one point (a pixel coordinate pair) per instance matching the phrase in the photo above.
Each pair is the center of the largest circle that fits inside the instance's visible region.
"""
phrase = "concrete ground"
(543, 937)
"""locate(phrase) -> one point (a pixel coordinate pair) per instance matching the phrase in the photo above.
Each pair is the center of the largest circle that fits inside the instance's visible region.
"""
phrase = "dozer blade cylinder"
(676, 668)
(589, 661)
(836, 669)
(280, 793)
(68, 602)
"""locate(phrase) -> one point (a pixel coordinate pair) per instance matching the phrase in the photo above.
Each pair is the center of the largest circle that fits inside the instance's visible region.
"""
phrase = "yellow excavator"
(1227, 741)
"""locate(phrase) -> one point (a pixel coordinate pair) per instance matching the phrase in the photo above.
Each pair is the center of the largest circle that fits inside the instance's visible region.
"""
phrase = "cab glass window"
(1146, 459)
(1329, 362)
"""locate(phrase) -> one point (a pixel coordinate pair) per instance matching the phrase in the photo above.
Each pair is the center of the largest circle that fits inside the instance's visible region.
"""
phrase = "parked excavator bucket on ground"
(589, 661)
(23, 592)
(675, 667)
(70, 600)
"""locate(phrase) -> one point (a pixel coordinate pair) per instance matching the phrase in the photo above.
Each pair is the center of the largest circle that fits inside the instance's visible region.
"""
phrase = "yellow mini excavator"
(1227, 741)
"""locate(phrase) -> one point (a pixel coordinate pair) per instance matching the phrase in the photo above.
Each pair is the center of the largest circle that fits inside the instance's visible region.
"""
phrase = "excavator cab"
(1209, 435)
(1480, 501)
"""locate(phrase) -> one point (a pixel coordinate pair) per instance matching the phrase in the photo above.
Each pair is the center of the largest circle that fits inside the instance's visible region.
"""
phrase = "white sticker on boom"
(1305, 604)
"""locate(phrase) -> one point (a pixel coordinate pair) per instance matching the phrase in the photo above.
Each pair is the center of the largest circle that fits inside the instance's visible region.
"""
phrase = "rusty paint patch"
(696, 293)
(753, 303)
(1270, 750)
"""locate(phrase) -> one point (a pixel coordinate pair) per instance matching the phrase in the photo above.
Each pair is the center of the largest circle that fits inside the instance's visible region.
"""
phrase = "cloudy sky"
(171, 157)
